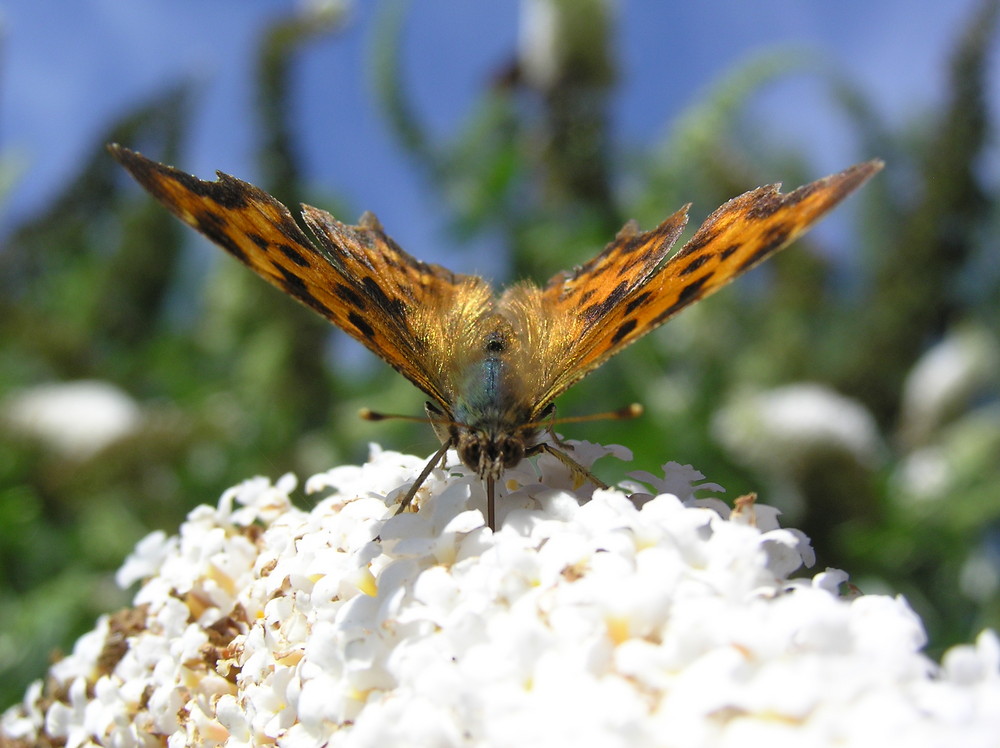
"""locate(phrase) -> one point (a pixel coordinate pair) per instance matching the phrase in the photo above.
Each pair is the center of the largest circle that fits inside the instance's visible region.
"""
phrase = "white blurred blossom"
(946, 377)
(557, 38)
(980, 575)
(607, 622)
(325, 14)
(74, 419)
(923, 474)
(789, 425)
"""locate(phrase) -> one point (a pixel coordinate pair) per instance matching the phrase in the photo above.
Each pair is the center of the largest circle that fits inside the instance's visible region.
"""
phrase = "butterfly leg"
(431, 463)
(557, 440)
(575, 467)
(444, 455)
(550, 429)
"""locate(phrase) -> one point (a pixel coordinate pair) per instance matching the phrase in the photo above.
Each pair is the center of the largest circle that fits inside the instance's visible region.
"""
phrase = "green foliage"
(234, 379)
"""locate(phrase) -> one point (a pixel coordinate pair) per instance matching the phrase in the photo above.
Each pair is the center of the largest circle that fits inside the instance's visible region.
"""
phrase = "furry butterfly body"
(492, 365)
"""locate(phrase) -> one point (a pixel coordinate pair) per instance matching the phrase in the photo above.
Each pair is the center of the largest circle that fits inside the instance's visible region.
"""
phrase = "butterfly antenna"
(633, 410)
(367, 414)
(373, 415)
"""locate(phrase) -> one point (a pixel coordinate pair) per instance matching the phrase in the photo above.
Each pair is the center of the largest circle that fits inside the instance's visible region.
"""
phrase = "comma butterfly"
(492, 365)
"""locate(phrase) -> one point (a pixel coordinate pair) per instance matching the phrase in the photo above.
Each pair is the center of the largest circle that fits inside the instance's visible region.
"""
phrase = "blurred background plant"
(860, 396)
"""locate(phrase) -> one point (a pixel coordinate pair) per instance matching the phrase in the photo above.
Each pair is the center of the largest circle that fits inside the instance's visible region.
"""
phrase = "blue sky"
(70, 69)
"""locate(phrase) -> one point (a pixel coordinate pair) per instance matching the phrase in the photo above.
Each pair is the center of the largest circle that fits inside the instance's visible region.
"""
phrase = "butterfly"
(491, 365)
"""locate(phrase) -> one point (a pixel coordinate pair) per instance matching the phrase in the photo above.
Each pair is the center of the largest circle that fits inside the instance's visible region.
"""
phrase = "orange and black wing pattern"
(355, 276)
(626, 292)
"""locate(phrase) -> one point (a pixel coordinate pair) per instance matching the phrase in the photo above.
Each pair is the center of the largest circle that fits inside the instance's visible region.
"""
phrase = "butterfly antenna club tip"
(367, 414)
(632, 410)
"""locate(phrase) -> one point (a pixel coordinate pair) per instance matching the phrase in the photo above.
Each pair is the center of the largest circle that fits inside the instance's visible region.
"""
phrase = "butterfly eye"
(511, 451)
(470, 450)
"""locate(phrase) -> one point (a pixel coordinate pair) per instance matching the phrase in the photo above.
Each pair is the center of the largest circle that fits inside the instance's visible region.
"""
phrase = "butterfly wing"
(552, 325)
(621, 295)
(357, 277)
(439, 318)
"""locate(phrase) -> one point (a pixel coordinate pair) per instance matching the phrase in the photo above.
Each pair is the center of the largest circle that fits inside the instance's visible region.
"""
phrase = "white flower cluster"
(625, 621)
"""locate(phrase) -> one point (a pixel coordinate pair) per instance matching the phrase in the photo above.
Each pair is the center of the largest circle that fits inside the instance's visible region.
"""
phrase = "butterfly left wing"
(593, 315)
(358, 278)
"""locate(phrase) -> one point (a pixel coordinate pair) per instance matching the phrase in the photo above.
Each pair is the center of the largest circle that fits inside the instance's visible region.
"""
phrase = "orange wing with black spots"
(621, 295)
(357, 277)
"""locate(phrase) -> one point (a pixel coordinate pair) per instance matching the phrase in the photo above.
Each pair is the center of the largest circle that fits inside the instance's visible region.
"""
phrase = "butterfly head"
(489, 455)
(487, 449)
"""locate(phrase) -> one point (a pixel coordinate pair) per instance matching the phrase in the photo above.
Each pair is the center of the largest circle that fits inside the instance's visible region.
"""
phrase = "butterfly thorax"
(490, 430)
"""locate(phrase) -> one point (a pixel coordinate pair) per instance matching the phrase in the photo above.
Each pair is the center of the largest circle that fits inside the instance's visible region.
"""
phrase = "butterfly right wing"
(403, 310)
(555, 324)
(625, 293)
